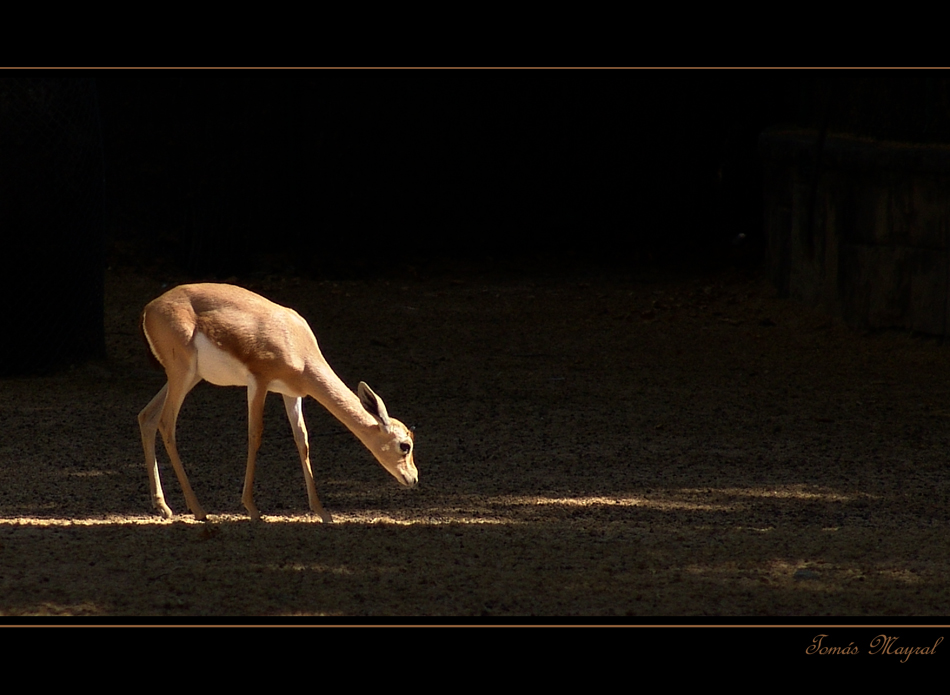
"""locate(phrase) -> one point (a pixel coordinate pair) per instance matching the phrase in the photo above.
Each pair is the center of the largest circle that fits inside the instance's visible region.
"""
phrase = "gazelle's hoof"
(164, 510)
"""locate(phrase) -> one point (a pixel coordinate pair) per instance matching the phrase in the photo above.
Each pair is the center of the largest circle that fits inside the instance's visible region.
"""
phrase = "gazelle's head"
(393, 443)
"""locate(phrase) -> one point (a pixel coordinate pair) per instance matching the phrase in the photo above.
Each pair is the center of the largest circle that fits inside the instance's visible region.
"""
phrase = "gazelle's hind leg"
(294, 408)
(177, 389)
(148, 425)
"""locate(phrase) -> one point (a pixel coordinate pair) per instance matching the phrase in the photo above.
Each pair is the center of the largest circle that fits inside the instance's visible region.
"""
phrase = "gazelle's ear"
(374, 405)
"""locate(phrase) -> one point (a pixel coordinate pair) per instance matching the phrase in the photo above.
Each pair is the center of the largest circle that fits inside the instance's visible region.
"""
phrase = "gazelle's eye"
(404, 447)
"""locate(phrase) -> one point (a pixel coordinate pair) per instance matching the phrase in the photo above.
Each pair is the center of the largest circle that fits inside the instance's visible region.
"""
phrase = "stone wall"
(859, 228)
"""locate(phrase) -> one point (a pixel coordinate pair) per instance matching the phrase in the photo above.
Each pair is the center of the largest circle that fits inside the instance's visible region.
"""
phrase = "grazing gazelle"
(230, 336)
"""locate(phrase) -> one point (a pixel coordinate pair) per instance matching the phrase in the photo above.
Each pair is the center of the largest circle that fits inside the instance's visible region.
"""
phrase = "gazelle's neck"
(330, 391)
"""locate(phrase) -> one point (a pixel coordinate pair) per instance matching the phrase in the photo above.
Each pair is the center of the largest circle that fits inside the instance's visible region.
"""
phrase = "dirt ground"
(595, 444)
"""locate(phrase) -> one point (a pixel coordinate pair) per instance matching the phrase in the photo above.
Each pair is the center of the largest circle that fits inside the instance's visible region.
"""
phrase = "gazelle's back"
(228, 325)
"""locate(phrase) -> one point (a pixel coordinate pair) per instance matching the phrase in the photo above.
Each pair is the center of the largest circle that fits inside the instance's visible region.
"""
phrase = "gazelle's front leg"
(294, 408)
(256, 393)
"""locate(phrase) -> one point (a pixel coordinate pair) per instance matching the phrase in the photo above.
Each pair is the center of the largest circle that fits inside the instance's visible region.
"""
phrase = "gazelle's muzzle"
(408, 475)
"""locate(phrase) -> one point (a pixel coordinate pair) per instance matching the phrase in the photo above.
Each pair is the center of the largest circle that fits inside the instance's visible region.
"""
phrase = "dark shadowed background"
(316, 170)
(346, 173)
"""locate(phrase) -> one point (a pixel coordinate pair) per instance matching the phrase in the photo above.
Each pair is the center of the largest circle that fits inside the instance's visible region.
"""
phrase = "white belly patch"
(217, 366)
(220, 368)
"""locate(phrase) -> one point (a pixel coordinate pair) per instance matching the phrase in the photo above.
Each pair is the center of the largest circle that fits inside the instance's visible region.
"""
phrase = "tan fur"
(274, 350)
